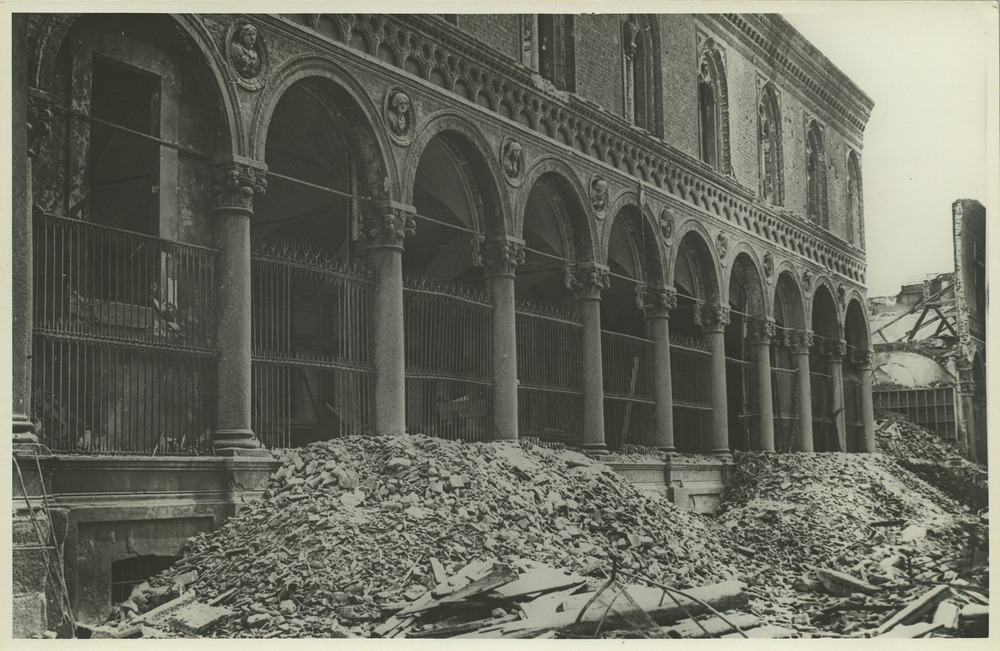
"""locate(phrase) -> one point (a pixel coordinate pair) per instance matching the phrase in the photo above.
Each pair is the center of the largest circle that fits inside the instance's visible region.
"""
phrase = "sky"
(925, 65)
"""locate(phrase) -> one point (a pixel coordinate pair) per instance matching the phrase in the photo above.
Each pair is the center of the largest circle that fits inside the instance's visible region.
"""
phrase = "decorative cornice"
(761, 330)
(387, 223)
(714, 317)
(587, 280)
(235, 182)
(657, 300)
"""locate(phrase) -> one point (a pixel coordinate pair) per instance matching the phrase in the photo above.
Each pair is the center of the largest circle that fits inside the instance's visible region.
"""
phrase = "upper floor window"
(815, 175)
(547, 47)
(770, 168)
(640, 42)
(854, 198)
(713, 108)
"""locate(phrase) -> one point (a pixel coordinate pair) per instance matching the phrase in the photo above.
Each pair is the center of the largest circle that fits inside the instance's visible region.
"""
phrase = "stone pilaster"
(32, 107)
(236, 181)
(714, 319)
(760, 332)
(800, 342)
(656, 302)
(386, 224)
(501, 257)
(587, 281)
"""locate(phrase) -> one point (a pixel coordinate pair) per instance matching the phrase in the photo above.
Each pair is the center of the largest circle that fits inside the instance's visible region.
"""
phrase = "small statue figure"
(512, 159)
(667, 223)
(398, 113)
(599, 194)
(243, 52)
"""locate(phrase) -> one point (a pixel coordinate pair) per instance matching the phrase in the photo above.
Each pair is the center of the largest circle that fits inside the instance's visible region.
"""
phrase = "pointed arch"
(771, 171)
(855, 200)
(641, 61)
(713, 108)
(816, 197)
(558, 182)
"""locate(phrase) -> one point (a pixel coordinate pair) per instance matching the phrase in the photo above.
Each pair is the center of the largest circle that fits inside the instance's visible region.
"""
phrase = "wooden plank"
(498, 576)
(912, 630)
(711, 626)
(764, 633)
(916, 608)
(538, 581)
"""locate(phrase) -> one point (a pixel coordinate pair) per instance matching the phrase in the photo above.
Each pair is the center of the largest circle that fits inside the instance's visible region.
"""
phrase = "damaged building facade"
(242, 232)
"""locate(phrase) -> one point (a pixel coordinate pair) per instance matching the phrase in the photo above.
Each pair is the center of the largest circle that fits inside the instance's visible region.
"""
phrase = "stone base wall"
(692, 483)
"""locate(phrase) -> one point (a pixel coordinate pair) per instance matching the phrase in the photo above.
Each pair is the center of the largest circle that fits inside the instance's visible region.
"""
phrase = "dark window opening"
(707, 108)
(547, 46)
(130, 572)
(124, 167)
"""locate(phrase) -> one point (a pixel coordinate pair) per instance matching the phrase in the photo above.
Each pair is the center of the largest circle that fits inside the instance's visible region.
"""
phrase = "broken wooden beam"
(713, 626)
(916, 608)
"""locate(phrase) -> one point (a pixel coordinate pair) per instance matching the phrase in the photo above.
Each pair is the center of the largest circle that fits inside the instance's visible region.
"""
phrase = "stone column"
(965, 391)
(236, 181)
(386, 225)
(760, 331)
(863, 361)
(801, 341)
(501, 258)
(835, 351)
(37, 116)
(714, 319)
(656, 303)
(586, 281)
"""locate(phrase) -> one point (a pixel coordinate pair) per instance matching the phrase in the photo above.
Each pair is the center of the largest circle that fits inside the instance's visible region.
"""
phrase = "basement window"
(130, 572)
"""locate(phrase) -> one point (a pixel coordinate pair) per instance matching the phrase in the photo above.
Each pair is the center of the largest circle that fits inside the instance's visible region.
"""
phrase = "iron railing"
(741, 384)
(124, 357)
(312, 371)
(933, 408)
(691, 382)
(824, 427)
(785, 401)
(550, 375)
(449, 362)
(629, 405)
(854, 423)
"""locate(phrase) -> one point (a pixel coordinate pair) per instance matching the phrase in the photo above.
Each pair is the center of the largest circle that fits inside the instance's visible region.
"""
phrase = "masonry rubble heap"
(421, 537)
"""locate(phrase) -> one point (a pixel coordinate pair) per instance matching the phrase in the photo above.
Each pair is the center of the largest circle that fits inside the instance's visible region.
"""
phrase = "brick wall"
(680, 82)
(599, 60)
(499, 31)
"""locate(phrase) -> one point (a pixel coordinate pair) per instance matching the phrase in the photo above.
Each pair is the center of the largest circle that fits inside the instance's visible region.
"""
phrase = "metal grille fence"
(629, 407)
(449, 362)
(933, 408)
(691, 381)
(824, 427)
(312, 371)
(741, 381)
(853, 419)
(124, 354)
(784, 396)
(550, 376)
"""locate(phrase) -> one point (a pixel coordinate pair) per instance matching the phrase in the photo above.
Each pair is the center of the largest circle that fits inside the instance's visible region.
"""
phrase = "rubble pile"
(842, 539)
(897, 436)
(353, 527)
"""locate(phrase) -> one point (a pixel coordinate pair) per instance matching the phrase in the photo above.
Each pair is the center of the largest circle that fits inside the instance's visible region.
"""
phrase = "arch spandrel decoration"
(382, 179)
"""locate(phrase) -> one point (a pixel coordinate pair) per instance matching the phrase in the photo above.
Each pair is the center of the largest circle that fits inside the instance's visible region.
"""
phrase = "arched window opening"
(788, 316)
(639, 43)
(856, 337)
(826, 329)
(854, 198)
(713, 109)
(745, 298)
(769, 147)
(547, 47)
(815, 176)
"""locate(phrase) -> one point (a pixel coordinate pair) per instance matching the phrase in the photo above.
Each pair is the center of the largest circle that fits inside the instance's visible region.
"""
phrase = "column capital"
(859, 357)
(800, 341)
(835, 349)
(967, 388)
(714, 317)
(656, 301)
(761, 330)
(587, 280)
(386, 223)
(39, 119)
(500, 255)
(235, 181)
